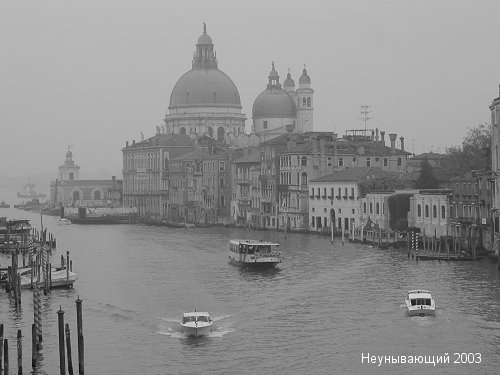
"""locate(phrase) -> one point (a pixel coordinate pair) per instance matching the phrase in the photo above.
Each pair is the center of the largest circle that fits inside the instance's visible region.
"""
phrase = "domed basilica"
(206, 102)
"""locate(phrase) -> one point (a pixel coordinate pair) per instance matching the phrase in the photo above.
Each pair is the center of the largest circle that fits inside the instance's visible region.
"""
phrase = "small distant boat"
(59, 275)
(64, 221)
(420, 302)
(30, 192)
(254, 253)
(4, 205)
(196, 323)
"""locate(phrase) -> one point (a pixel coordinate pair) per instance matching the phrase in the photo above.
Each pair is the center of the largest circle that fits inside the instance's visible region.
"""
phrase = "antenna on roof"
(364, 113)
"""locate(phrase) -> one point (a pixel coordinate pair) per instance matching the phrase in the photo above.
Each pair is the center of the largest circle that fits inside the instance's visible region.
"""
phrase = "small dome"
(205, 39)
(304, 78)
(289, 82)
(273, 103)
(205, 87)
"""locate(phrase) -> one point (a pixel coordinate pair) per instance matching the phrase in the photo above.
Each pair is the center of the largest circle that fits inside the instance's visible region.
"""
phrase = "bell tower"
(305, 104)
(69, 171)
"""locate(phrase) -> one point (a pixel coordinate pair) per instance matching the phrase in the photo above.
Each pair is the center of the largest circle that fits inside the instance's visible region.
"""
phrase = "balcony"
(345, 197)
(338, 197)
(244, 181)
(311, 196)
(351, 197)
(330, 197)
(317, 196)
(323, 196)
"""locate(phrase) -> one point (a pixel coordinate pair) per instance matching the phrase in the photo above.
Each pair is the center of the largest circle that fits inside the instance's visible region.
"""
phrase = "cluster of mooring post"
(419, 244)
(64, 350)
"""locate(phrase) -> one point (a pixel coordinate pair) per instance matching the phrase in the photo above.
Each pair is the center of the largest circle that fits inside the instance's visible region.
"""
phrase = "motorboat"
(60, 277)
(254, 253)
(420, 302)
(196, 323)
(64, 221)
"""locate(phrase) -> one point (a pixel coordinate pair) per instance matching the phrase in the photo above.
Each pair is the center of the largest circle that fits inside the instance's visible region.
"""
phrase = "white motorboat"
(254, 253)
(420, 302)
(196, 323)
(64, 221)
(60, 277)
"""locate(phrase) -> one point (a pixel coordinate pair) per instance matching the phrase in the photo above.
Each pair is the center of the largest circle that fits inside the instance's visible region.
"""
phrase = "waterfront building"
(470, 209)
(200, 186)
(245, 202)
(335, 199)
(145, 184)
(205, 100)
(280, 107)
(430, 212)
(312, 155)
(69, 190)
(495, 169)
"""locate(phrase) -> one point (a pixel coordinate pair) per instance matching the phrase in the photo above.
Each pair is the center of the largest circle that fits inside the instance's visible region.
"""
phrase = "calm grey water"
(317, 313)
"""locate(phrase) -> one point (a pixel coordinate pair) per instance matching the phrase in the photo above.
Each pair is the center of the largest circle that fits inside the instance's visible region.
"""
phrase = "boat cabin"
(196, 317)
(420, 298)
(260, 248)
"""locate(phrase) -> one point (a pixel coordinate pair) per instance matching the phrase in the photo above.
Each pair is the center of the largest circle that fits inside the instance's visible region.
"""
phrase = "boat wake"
(172, 328)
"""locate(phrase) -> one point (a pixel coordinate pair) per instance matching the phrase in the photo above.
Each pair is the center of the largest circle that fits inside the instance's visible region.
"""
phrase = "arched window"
(377, 208)
(222, 203)
(76, 196)
(71, 176)
(221, 182)
(426, 210)
(371, 208)
(182, 130)
(220, 133)
(364, 207)
(304, 102)
(452, 213)
(303, 178)
(303, 161)
(419, 211)
(434, 211)
(309, 101)
(97, 195)
(443, 212)
(211, 131)
(341, 162)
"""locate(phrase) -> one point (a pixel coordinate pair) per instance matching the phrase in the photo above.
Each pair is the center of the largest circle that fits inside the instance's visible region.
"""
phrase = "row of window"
(286, 161)
(434, 211)
(346, 193)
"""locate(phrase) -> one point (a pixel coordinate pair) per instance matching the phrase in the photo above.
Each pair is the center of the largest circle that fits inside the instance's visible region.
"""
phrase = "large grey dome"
(273, 103)
(205, 87)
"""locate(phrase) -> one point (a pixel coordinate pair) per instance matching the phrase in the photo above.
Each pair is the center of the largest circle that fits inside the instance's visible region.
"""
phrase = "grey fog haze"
(96, 73)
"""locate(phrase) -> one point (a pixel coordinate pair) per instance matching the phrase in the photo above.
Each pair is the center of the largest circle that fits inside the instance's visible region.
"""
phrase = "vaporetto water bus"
(254, 253)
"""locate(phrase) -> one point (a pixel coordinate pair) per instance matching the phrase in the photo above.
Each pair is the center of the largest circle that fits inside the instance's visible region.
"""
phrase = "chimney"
(126, 144)
(402, 139)
(133, 142)
(114, 180)
(382, 136)
(392, 137)
(376, 134)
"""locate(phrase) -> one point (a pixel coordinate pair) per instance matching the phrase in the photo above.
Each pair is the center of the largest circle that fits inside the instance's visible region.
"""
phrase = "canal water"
(327, 309)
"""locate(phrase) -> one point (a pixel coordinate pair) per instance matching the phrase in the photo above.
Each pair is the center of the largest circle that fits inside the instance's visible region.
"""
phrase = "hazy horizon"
(96, 74)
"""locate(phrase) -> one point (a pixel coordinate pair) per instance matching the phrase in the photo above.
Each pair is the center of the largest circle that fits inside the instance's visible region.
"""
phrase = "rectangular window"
(265, 124)
(400, 162)
(222, 166)
(368, 162)
(385, 162)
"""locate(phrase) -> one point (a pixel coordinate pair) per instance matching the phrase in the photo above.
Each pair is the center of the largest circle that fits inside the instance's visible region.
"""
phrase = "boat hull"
(421, 312)
(260, 264)
(196, 330)
(59, 279)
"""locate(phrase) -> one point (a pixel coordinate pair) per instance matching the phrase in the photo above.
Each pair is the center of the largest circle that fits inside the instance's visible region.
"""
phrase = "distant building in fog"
(69, 190)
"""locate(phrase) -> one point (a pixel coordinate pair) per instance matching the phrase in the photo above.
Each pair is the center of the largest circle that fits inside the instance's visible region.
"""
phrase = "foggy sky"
(94, 74)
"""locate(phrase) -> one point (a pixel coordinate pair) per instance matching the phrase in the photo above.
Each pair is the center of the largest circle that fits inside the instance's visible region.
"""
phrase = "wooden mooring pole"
(68, 350)
(79, 330)
(1, 346)
(34, 346)
(5, 356)
(62, 362)
(19, 352)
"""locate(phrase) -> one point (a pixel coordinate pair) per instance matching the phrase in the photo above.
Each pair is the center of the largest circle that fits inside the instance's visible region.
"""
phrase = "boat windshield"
(187, 319)
(421, 301)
